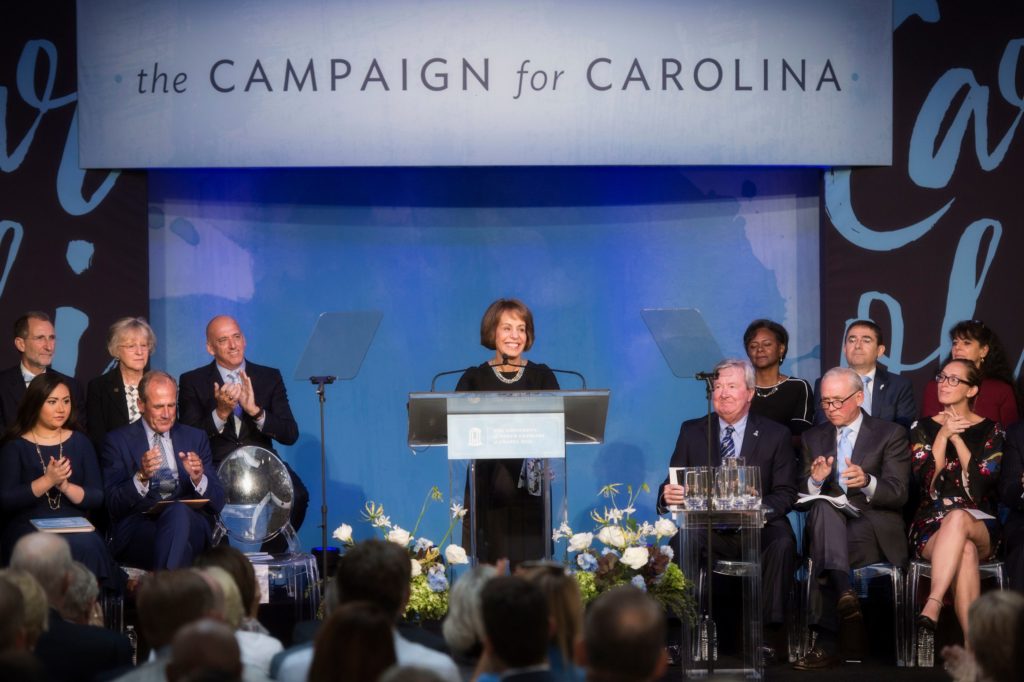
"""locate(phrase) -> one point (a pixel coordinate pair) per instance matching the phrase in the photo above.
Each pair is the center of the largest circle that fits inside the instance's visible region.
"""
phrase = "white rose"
(416, 568)
(664, 528)
(454, 554)
(635, 557)
(612, 536)
(343, 533)
(399, 536)
(580, 541)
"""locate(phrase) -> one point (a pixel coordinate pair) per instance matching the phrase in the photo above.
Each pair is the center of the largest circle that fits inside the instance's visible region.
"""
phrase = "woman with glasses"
(996, 400)
(956, 457)
(113, 397)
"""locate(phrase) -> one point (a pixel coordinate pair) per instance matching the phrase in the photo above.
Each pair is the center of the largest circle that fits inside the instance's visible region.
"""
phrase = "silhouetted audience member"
(409, 673)
(67, 650)
(356, 643)
(33, 601)
(377, 571)
(80, 601)
(565, 606)
(624, 637)
(238, 565)
(204, 651)
(257, 650)
(994, 652)
(463, 626)
(12, 625)
(516, 632)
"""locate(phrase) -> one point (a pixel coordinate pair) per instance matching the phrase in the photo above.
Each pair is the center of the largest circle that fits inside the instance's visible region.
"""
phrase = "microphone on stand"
(433, 382)
(706, 376)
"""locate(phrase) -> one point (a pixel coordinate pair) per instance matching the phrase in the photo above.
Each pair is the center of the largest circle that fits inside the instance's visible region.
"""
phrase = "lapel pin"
(755, 434)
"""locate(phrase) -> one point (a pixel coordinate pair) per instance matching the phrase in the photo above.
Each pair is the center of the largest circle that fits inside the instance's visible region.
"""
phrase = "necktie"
(133, 403)
(845, 452)
(728, 444)
(867, 395)
(164, 479)
(234, 378)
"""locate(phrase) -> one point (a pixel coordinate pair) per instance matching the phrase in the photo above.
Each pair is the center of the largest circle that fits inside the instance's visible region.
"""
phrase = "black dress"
(789, 402)
(510, 521)
(19, 466)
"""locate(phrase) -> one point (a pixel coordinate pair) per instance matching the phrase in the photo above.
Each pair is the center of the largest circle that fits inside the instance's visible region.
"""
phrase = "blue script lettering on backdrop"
(262, 83)
(934, 152)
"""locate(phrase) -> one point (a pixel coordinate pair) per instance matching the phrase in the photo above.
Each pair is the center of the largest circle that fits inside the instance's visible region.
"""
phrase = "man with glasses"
(886, 396)
(867, 460)
(36, 341)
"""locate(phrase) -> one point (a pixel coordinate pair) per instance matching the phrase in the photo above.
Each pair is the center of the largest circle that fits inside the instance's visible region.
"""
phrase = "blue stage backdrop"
(587, 249)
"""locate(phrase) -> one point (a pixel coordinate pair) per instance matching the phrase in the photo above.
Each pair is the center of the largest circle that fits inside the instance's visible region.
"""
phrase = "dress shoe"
(927, 623)
(816, 659)
(770, 656)
(849, 606)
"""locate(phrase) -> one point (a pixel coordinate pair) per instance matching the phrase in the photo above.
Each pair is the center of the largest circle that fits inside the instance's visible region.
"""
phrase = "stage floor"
(849, 672)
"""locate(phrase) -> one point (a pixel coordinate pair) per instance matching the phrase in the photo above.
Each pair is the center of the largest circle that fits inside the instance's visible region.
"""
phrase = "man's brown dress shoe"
(816, 659)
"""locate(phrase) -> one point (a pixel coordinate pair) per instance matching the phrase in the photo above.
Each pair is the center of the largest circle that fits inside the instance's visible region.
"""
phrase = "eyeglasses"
(134, 346)
(953, 380)
(836, 403)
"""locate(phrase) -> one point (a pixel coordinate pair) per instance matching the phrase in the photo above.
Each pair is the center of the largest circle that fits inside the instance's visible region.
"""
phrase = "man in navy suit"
(156, 460)
(516, 630)
(1011, 494)
(868, 460)
(36, 341)
(761, 443)
(886, 396)
(237, 402)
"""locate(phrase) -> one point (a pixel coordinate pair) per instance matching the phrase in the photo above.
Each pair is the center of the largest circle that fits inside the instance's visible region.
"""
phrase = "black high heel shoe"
(925, 622)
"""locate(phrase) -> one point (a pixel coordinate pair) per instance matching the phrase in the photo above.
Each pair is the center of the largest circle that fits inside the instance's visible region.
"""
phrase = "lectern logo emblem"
(475, 439)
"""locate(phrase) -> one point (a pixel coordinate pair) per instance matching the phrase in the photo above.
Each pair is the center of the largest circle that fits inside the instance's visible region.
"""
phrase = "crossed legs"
(954, 552)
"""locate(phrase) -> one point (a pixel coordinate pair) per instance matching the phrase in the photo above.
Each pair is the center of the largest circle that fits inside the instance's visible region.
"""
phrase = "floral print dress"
(955, 488)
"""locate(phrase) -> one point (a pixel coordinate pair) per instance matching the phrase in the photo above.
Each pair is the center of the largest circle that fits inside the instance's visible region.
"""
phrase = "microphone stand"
(709, 378)
(321, 382)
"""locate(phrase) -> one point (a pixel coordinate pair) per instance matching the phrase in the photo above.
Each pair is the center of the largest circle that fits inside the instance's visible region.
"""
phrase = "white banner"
(193, 83)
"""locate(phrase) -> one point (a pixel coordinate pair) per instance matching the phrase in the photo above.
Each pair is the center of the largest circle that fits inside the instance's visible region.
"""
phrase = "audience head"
(34, 606)
(733, 389)
(131, 341)
(842, 392)
(36, 340)
(47, 402)
(377, 571)
(80, 599)
(973, 340)
(409, 673)
(517, 628)
(240, 568)
(12, 625)
(565, 605)
(205, 650)
(996, 627)
(766, 342)
(516, 310)
(158, 400)
(229, 605)
(225, 342)
(356, 642)
(169, 600)
(863, 345)
(463, 627)
(968, 378)
(47, 557)
(624, 637)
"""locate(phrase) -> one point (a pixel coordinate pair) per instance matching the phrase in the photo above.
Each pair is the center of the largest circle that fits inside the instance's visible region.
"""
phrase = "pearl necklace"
(52, 500)
(502, 378)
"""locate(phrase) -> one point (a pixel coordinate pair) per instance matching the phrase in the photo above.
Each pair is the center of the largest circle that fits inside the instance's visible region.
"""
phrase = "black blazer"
(12, 390)
(883, 451)
(106, 404)
(69, 651)
(766, 444)
(892, 399)
(196, 403)
(1011, 491)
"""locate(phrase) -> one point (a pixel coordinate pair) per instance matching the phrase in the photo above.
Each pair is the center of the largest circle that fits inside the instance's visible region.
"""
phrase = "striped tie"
(728, 445)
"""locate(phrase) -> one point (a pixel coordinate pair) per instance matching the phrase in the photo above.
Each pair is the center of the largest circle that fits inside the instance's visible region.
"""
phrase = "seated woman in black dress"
(48, 470)
(510, 509)
(783, 399)
(113, 397)
(956, 457)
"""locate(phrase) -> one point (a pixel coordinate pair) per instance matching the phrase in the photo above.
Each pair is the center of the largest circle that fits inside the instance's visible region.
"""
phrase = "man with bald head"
(156, 474)
(237, 403)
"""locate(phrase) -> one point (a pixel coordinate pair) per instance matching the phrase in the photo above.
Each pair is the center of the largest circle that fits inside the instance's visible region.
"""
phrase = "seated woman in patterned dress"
(956, 457)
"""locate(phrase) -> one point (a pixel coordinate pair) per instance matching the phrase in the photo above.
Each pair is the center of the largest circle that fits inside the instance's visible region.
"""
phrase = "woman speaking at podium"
(509, 502)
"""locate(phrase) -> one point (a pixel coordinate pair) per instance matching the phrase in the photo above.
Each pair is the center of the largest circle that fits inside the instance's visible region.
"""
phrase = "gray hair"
(47, 557)
(129, 325)
(742, 365)
(996, 621)
(83, 589)
(463, 627)
(852, 378)
(36, 611)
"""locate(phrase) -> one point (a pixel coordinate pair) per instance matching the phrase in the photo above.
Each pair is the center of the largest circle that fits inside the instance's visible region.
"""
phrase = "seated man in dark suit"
(516, 631)
(36, 341)
(67, 650)
(1011, 494)
(868, 460)
(765, 444)
(141, 469)
(624, 637)
(237, 402)
(886, 396)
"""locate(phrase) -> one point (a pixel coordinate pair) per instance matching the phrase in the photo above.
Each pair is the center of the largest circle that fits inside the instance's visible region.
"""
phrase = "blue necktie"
(867, 394)
(165, 478)
(728, 444)
(845, 452)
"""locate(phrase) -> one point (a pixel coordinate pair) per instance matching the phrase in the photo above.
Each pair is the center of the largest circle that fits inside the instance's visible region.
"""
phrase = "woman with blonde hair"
(112, 399)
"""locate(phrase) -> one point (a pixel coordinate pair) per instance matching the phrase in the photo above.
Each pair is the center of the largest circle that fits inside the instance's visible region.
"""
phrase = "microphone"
(433, 382)
(706, 376)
